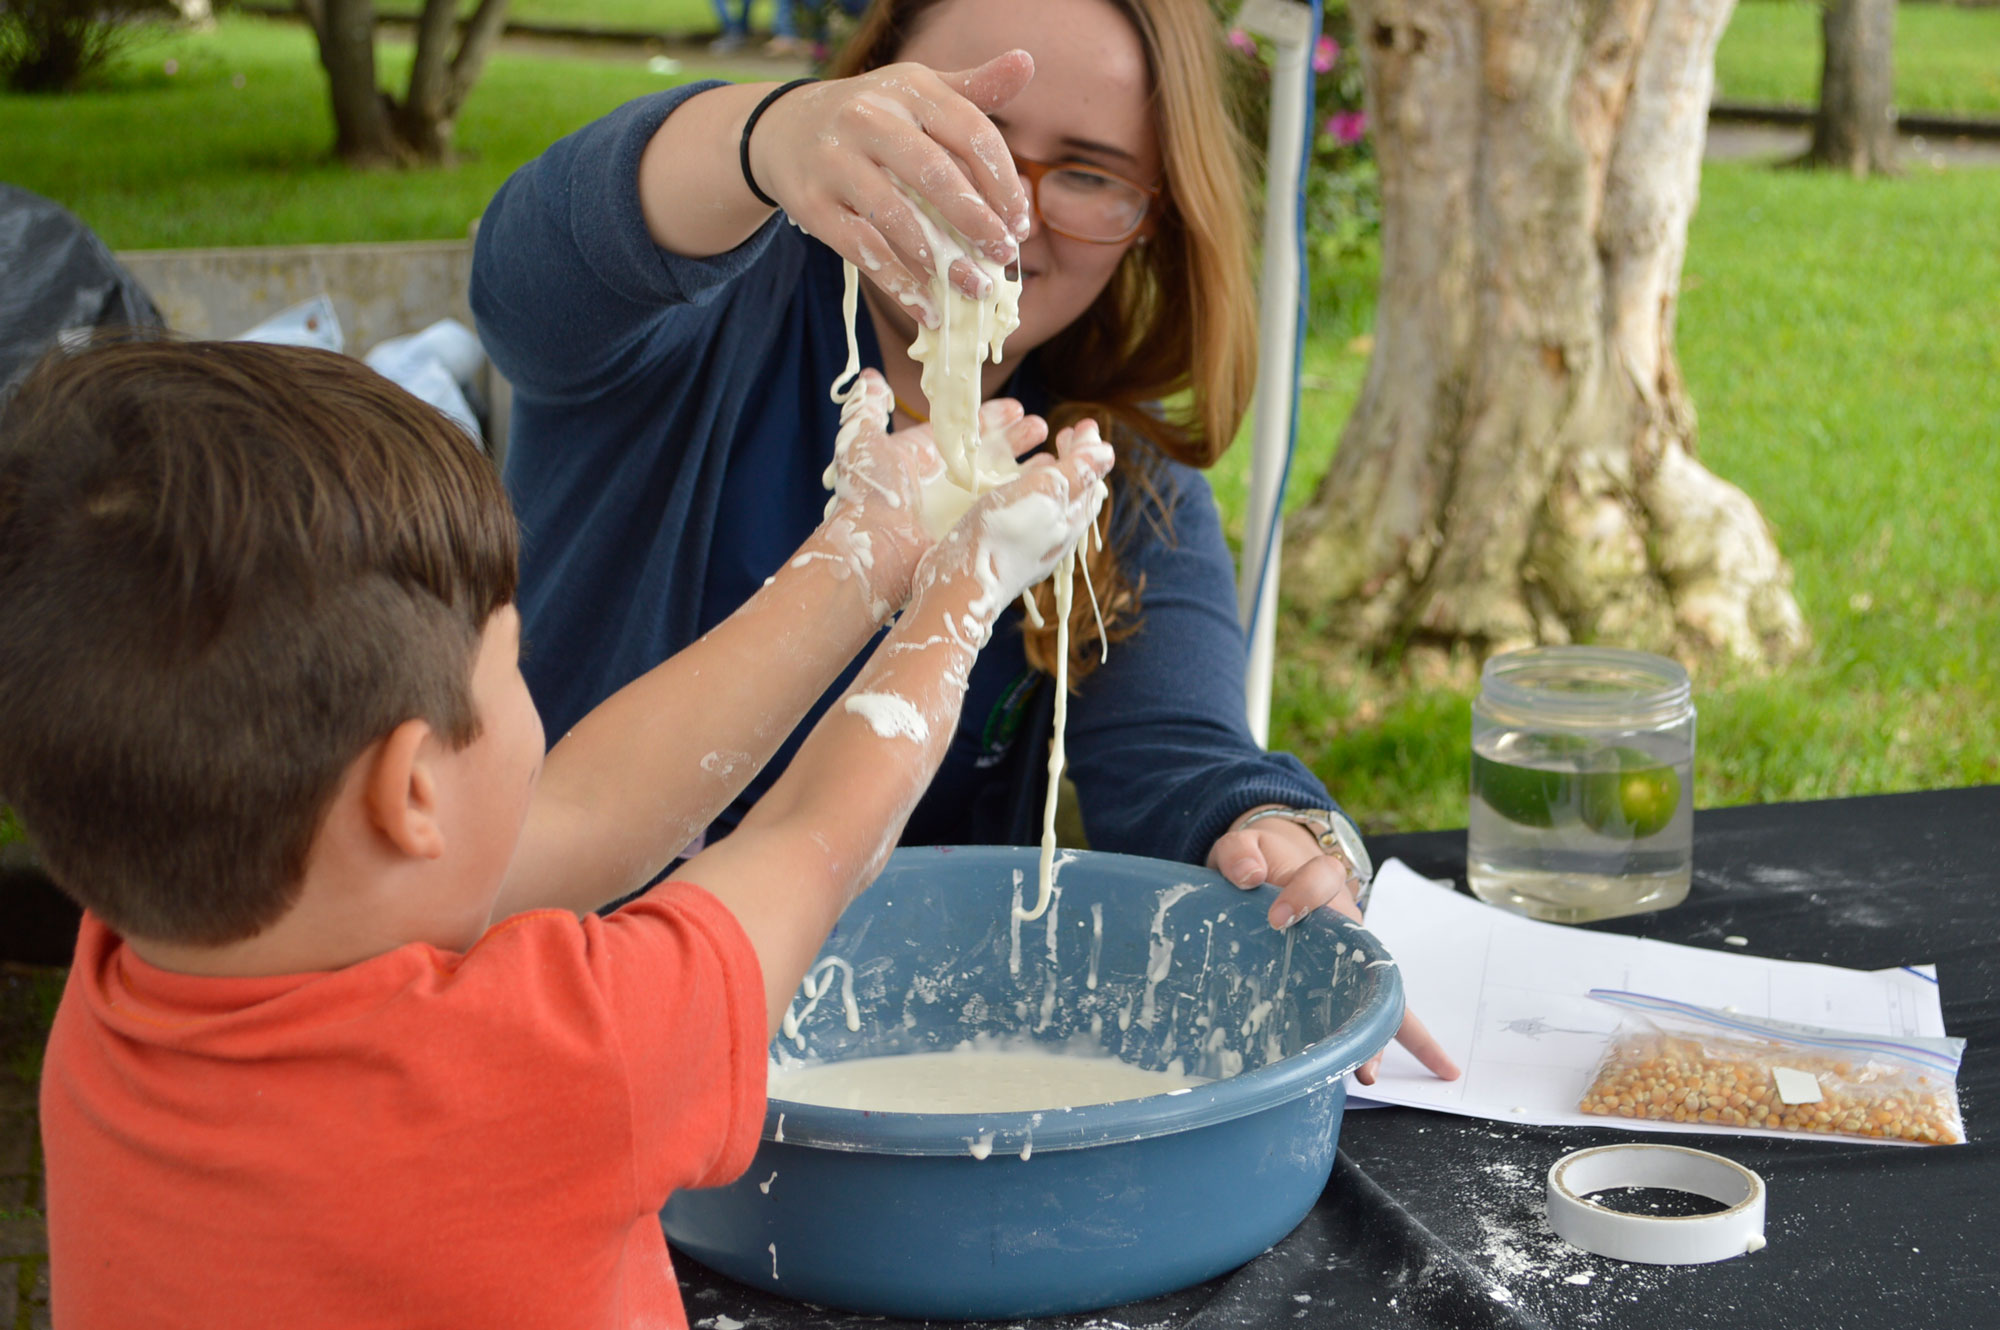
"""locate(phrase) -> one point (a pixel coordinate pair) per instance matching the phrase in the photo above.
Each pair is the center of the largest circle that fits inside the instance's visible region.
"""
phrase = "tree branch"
(428, 77)
(314, 13)
(481, 33)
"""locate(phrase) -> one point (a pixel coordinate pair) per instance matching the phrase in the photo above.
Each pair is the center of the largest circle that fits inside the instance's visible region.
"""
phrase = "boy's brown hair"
(225, 570)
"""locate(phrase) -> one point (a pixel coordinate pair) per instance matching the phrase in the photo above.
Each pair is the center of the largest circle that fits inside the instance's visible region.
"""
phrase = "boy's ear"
(401, 791)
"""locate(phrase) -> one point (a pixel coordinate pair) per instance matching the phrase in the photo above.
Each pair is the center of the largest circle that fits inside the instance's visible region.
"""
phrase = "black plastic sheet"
(56, 278)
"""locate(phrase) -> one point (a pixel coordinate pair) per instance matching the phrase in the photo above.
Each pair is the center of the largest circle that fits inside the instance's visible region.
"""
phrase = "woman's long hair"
(1165, 360)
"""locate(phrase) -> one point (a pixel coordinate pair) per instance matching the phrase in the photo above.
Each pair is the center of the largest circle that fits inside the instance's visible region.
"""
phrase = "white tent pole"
(1289, 25)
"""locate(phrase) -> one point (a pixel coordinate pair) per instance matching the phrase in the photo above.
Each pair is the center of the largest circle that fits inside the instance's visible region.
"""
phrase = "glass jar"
(1582, 783)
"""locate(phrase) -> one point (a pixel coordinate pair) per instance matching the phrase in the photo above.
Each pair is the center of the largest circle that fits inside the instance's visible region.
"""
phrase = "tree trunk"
(371, 128)
(1855, 130)
(1521, 464)
(364, 131)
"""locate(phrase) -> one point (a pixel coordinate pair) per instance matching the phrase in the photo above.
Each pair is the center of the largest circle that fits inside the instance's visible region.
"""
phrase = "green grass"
(678, 18)
(28, 998)
(1947, 58)
(219, 164)
(1838, 339)
(1837, 336)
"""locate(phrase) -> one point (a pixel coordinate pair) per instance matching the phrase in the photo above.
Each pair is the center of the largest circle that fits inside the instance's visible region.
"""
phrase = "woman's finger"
(884, 206)
(976, 142)
(854, 239)
(953, 185)
(1320, 881)
(1238, 857)
(992, 85)
(1421, 1044)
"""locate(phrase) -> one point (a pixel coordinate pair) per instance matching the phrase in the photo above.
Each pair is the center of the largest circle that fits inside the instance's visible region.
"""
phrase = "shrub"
(56, 45)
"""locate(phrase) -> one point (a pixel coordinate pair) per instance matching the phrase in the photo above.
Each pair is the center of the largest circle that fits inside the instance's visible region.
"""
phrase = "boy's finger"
(1025, 435)
(871, 394)
(1078, 437)
(999, 412)
(1086, 465)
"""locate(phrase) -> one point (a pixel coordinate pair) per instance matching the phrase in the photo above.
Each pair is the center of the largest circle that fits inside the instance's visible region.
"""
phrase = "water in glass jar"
(1568, 828)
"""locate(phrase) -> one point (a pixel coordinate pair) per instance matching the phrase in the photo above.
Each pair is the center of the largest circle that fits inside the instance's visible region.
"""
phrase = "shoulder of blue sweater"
(1158, 492)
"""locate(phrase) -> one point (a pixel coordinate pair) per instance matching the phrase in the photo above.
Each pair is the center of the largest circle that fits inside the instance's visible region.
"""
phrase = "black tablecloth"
(1436, 1220)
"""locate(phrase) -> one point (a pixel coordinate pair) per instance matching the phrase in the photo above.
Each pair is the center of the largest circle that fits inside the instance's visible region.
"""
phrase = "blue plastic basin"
(896, 1213)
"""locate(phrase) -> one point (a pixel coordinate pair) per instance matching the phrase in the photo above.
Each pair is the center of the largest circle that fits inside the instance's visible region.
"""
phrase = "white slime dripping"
(815, 987)
(970, 333)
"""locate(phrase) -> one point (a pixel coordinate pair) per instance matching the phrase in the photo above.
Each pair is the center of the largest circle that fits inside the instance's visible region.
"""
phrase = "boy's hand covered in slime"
(838, 155)
(1012, 536)
(1006, 542)
(875, 516)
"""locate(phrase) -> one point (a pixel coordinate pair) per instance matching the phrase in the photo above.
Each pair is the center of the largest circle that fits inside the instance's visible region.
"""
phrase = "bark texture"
(373, 128)
(1855, 130)
(1521, 464)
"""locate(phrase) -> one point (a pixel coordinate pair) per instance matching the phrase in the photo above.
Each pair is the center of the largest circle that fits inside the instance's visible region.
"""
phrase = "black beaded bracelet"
(743, 147)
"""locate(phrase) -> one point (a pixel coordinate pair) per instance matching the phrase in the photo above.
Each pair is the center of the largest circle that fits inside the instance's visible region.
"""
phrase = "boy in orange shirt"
(343, 1044)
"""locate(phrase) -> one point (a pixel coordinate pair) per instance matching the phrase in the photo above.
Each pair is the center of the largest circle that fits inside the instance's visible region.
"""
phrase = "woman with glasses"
(670, 341)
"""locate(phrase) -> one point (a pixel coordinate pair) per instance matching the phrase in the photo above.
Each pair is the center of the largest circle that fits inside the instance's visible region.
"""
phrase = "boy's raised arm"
(640, 776)
(824, 829)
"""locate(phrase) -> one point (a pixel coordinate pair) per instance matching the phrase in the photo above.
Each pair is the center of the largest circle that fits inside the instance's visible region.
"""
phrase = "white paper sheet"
(1506, 996)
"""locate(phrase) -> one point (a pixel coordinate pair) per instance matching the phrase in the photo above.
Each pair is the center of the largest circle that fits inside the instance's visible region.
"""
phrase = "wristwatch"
(1337, 835)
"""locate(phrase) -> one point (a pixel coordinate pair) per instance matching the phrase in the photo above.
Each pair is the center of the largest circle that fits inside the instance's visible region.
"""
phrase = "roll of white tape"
(1656, 1239)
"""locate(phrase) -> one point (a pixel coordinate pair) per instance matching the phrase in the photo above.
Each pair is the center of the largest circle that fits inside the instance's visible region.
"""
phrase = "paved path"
(1737, 141)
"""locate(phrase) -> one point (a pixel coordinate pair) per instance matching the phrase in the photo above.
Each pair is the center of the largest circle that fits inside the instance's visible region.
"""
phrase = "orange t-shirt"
(423, 1139)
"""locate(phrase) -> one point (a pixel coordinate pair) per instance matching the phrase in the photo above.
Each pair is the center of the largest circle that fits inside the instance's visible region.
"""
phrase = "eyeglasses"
(1085, 203)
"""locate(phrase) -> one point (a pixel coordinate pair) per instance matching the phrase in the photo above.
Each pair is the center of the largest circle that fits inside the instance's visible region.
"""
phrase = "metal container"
(966, 1216)
(1582, 783)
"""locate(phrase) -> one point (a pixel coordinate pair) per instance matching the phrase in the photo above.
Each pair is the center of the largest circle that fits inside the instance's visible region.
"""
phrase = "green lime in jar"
(1634, 801)
(1582, 770)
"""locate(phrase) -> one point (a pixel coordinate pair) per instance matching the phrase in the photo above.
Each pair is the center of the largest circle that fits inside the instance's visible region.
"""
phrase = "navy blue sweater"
(671, 423)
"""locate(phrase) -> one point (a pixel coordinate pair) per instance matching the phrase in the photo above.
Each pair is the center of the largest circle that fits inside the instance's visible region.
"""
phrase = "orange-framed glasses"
(1086, 203)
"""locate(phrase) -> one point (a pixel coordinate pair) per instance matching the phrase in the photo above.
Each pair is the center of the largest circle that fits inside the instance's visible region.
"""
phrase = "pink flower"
(1348, 126)
(1243, 41)
(1325, 52)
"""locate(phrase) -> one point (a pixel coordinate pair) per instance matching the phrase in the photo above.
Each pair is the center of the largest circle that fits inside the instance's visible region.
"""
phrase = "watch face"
(1350, 844)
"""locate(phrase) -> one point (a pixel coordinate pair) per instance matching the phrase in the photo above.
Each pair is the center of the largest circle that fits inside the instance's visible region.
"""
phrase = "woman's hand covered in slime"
(1287, 856)
(874, 518)
(836, 156)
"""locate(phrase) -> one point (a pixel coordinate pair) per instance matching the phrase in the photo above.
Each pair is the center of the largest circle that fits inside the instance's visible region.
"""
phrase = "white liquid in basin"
(972, 1081)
